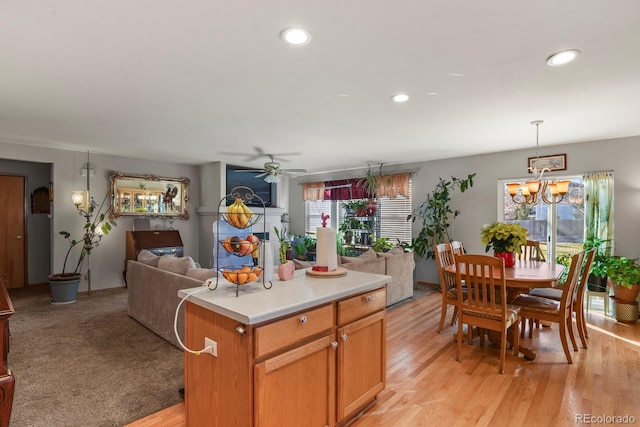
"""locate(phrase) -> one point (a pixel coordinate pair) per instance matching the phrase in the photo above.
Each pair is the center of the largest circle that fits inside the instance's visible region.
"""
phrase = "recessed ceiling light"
(401, 97)
(296, 36)
(563, 57)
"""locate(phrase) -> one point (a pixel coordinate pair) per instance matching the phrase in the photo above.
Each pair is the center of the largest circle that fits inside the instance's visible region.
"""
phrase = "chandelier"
(537, 189)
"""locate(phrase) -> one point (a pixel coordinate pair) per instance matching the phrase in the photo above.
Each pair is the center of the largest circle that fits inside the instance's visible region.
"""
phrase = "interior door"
(12, 230)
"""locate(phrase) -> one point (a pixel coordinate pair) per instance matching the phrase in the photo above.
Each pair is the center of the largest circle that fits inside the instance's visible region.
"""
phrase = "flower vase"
(286, 270)
(509, 258)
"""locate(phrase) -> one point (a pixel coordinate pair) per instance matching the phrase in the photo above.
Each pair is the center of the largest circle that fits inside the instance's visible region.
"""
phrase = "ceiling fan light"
(272, 179)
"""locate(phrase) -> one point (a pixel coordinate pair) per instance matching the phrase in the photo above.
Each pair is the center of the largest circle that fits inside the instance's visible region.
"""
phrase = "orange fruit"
(252, 277)
(226, 244)
(242, 278)
(246, 269)
(232, 277)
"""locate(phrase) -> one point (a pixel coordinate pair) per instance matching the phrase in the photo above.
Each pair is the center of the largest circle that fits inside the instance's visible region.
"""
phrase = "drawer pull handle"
(303, 320)
(345, 337)
(156, 232)
(367, 298)
(334, 345)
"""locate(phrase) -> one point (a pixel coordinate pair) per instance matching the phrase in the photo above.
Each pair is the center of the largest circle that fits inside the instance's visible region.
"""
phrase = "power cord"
(207, 349)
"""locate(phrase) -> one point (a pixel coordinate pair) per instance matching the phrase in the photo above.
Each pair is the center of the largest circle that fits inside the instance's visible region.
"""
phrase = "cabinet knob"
(367, 298)
(303, 320)
(345, 337)
(334, 345)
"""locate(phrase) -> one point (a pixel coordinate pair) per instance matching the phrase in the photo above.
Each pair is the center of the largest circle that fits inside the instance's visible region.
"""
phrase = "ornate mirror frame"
(149, 196)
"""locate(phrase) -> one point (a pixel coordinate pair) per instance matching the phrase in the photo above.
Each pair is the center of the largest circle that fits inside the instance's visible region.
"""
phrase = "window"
(392, 216)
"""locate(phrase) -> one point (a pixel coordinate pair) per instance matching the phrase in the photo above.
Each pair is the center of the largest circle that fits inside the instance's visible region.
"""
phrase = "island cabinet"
(320, 366)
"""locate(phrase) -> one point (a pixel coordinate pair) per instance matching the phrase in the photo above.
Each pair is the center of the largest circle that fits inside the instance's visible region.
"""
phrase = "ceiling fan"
(272, 171)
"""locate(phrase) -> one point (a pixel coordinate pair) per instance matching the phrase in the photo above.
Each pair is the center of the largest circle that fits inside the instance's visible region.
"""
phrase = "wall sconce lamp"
(84, 203)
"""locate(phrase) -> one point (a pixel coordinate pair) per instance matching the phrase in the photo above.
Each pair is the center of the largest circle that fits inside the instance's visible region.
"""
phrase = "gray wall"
(479, 205)
(38, 226)
(107, 261)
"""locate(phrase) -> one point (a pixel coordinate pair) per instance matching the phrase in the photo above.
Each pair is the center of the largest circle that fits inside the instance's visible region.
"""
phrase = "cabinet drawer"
(285, 332)
(361, 305)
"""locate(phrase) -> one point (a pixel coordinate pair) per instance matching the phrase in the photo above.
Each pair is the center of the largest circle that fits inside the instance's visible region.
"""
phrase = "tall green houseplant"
(437, 215)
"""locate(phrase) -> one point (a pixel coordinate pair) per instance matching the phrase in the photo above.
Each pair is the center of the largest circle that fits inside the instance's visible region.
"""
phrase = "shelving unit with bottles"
(235, 236)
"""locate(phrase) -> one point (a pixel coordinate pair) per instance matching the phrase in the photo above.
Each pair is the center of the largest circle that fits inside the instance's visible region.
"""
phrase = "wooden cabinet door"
(297, 388)
(361, 363)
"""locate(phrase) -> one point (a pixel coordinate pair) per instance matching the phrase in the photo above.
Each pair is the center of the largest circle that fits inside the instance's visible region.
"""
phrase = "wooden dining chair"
(486, 285)
(531, 251)
(457, 248)
(533, 307)
(578, 296)
(445, 258)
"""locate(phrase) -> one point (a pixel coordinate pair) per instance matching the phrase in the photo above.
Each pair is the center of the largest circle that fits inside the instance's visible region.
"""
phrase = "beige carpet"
(87, 363)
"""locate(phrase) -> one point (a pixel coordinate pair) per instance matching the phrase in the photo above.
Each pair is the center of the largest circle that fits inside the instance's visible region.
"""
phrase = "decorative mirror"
(149, 196)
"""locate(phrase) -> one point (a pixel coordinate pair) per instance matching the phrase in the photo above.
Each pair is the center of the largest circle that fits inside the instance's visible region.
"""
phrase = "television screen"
(245, 177)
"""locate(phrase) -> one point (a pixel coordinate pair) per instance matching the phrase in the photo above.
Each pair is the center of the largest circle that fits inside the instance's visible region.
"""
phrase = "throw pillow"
(301, 264)
(176, 265)
(370, 254)
(396, 250)
(147, 257)
(201, 273)
(348, 259)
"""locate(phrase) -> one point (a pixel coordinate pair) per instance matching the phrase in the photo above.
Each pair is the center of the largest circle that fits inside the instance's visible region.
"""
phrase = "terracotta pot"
(286, 270)
(509, 258)
(623, 293)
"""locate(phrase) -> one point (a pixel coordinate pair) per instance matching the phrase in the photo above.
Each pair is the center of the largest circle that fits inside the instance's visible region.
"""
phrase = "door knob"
(19, 237)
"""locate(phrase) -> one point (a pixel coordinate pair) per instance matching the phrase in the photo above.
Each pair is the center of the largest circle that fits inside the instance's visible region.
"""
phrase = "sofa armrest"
(152, 298)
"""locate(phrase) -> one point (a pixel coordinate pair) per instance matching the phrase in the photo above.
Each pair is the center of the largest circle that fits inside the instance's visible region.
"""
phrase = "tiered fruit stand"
(239, 217)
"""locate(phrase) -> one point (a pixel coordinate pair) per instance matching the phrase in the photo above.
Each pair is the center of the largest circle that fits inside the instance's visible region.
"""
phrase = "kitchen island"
(309, 351)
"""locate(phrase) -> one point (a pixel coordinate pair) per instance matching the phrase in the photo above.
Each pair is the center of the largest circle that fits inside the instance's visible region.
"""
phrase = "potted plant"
(301, 245)
(64, 286)
(349, 207)
(598, 275)
(360, 208)
(286, 267)
(382, 244)
(370, 183)
(505, 239)
(437, 216)
(624, 275)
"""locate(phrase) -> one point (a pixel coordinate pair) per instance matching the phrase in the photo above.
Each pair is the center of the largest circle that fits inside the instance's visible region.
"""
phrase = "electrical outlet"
(208, 342)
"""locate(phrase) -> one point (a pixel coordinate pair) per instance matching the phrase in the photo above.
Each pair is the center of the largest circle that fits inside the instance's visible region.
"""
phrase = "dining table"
(524, 276)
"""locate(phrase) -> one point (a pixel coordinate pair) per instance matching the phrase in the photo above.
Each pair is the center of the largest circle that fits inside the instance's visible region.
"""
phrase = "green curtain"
(598, 217)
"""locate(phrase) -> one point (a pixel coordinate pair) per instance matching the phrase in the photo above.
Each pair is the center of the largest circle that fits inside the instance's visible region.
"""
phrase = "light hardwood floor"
(427, 387)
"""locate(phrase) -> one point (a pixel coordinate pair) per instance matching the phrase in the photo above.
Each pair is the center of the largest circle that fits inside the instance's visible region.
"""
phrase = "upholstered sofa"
(396, 263)
(153, 291)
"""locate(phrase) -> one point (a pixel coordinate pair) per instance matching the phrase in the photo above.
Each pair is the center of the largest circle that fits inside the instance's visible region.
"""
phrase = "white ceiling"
(185, 81)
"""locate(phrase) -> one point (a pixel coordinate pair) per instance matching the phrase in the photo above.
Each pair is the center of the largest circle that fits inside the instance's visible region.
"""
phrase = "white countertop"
(255, 304)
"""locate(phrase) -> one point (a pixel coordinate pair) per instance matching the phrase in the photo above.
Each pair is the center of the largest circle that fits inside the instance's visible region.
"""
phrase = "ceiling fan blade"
(294, 170)
(262, 174)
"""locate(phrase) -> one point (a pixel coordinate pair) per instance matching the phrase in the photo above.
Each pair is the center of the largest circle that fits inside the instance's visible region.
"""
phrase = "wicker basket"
(625, 311)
